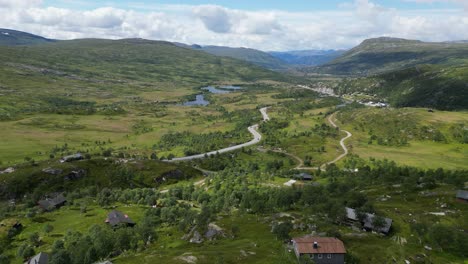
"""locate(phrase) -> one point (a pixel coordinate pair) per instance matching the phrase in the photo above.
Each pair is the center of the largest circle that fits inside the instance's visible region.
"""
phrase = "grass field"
(424, 153)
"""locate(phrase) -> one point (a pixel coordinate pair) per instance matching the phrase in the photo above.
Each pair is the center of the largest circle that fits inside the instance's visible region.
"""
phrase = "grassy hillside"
(101, 70)
(408, 136)
(10, 37)
(423, 86)
(253, 56)
(386, 54)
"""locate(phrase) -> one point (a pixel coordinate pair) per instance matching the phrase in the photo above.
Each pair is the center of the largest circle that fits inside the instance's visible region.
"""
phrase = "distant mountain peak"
(389, 40)
(9, 37)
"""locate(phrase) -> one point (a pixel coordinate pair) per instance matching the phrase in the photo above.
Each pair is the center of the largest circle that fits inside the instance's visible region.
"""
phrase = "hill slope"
(387, 54)
(254, 56)
(441, 87)
(10, 37)
(307, 57)
(89, 69)
(130, 59)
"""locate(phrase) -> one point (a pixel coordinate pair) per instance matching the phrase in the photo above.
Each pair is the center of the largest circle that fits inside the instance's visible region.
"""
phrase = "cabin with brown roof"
(322, 250)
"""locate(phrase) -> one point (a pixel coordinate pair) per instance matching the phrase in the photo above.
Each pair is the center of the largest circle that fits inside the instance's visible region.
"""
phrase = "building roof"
(461, 194)
(351, 214)
(47, 203)
(116, 217)
(72, 157)
(368, 222)
(41, 258)
(325, 245)
(304, 175)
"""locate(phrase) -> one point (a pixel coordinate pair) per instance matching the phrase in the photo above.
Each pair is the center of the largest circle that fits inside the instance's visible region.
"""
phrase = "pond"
(199, 100)
(222, 89)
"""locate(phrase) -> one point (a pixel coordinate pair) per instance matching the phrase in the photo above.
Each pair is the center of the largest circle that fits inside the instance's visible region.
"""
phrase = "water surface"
(199, 100)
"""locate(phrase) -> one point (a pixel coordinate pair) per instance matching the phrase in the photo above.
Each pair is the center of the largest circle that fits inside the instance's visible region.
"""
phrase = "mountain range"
(385, 54)
(406, 72)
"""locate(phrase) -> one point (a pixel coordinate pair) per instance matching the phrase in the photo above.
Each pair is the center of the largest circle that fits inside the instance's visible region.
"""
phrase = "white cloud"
(217, 25)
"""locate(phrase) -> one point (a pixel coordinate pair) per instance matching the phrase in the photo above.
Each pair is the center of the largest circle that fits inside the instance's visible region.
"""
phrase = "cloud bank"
(218, 25)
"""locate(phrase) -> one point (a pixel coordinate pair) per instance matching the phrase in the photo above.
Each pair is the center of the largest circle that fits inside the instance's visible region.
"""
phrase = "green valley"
(134, 151)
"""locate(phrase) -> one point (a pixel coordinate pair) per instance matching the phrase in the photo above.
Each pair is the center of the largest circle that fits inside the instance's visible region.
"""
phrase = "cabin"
(117, 218)
(367, 223)
(304, 176)
(70, 158)
(322, 250)
(50, 204)
(462, 196)
(41, 258)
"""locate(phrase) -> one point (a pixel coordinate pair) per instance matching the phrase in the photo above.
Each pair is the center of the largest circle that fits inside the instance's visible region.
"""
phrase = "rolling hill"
(128, 59)
(386, 54)
(97, 69)
(441, 87)
(253, 56)
(13, 38)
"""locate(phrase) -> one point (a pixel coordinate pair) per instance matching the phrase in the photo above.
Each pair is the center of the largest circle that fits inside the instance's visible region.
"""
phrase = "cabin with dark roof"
(462, 196)
(52, 203)
(41, 258)
(117, 218)
(322, 250)
(368, 222)
(303, 176)
(73, 157)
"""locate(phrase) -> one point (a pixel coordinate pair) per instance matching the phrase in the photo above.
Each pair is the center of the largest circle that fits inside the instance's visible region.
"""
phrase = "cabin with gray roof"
(368, 222)
(41, 258)
(73, 157)
(462, 196)
(117, 218)
(54, 202)
(304, 176)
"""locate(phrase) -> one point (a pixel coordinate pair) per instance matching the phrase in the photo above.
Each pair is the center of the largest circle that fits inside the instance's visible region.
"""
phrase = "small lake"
(222, 89)
(199, 100)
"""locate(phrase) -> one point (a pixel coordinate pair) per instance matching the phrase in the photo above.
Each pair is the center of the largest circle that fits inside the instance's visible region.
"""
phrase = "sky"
(261, 24)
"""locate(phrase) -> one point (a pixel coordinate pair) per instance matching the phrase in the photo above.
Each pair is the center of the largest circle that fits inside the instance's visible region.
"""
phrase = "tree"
(154, 156)
(145, 230)
(282, 230)
(25, 251)
(60, 257)
(35, 239)
(57, 246)
(48, 228)
(4, 259)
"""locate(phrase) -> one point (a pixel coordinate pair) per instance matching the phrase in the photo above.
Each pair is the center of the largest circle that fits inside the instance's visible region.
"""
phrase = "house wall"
(335, 259)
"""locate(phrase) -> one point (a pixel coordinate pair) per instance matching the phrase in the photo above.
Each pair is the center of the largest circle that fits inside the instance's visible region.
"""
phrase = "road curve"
(252, 129)
(343, 146)
(323, 166)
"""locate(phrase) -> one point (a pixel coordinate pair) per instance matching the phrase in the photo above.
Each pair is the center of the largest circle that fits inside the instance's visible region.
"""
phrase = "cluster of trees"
(141, 127)
(460, 132)
(101, 242)
(61, 105)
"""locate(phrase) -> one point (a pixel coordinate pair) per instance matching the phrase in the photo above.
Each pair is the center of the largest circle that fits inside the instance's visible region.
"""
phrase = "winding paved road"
(252, 129)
